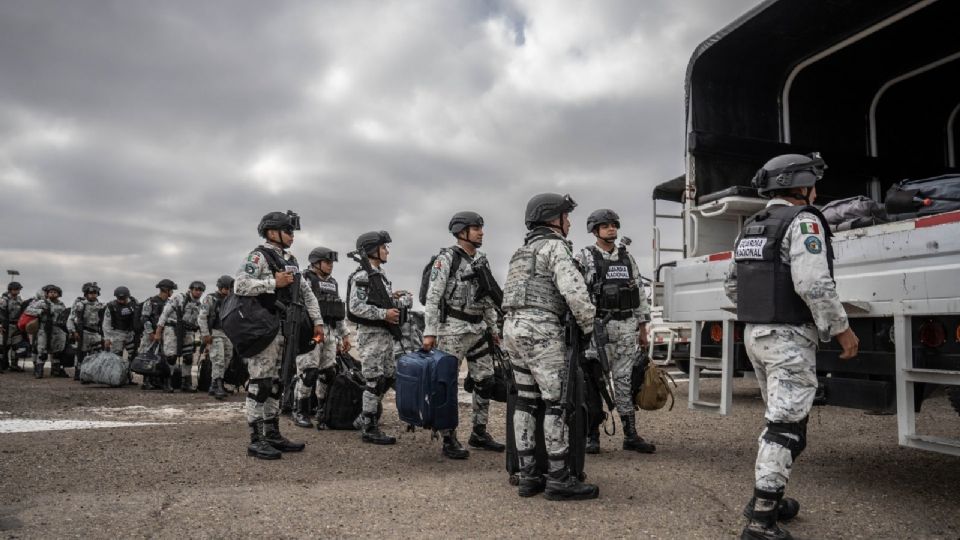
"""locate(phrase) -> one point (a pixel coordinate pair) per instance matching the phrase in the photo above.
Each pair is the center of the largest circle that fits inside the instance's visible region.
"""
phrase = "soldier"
(374, 338)
(84, 324)
(543, 285)
(177, 328)
(784, 262)
(10, 307)
(119, 325)
(317, 368)
(458, 317)
(268, 273)
(150, 312)
(52, 335)
(613, 280)
(219, 347)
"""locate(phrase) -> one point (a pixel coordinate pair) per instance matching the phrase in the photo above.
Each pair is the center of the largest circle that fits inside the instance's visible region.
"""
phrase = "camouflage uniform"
(533, 336)
(322, 358)
(150, 317)
(411, 332)
(9, 309)
(375, 344)
(50, 314)
(623, 335)
(180, 305)
(220, 348)
(90, 325)
(121, 333)
(457, 336)
(784, 355)
(255, 278)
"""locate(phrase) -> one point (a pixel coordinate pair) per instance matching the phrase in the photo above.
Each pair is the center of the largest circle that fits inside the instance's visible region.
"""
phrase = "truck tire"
(953, 394)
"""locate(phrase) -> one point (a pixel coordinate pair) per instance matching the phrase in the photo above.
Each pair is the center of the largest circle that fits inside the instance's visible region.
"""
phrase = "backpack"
(428, 271)
(24, 320)
(654, 388)
(854, 213)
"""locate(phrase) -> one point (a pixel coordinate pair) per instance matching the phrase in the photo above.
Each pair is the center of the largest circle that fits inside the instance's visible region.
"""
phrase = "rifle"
(179, 330)
(82, 326)
(378, 294)
(293, 312)
(601, 339)
(574, 339)
(486, 284)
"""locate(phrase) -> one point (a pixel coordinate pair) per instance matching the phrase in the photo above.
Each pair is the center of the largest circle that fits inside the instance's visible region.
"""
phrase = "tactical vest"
(614, 287)
(370, 301)
(526, 287)
(327, 292)
(764, 284)
(122, 317)
(276, 263)
(156, 308)
(213, 314)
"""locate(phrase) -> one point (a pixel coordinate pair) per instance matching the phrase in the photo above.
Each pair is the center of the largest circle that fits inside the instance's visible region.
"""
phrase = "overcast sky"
(144, 139)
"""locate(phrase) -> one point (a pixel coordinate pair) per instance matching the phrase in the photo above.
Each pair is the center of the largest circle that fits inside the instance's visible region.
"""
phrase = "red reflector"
(932, 334)
(716, 332)
(939, 219)
(727, 254)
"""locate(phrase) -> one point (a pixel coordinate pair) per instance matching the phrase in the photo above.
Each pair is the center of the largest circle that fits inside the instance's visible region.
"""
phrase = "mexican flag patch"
(808, 227)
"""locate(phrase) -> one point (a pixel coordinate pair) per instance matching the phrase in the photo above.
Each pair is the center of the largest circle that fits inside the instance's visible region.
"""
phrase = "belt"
(615, 315)
(463, 316)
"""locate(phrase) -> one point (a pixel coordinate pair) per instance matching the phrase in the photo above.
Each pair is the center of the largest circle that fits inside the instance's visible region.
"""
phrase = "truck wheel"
(954, 395)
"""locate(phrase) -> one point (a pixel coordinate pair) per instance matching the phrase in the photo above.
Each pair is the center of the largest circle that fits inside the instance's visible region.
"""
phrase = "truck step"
(707, 363)
(705, 406)
(934, 376)
(934, 444)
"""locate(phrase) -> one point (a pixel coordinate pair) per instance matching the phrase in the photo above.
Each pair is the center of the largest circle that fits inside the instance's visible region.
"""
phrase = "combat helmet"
(463, 220)
(601, 216)
(321, 253)
(225, 282)
(789, 171)
(368, 242)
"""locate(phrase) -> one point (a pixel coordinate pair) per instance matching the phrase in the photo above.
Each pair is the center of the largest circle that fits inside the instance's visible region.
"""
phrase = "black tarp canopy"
(671, 190)
(899, 59)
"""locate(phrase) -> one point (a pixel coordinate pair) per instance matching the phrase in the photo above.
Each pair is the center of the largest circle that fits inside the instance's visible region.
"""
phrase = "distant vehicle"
(872, 86)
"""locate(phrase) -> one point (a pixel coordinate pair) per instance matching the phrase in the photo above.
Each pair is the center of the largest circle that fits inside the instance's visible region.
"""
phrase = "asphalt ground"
(187, 475)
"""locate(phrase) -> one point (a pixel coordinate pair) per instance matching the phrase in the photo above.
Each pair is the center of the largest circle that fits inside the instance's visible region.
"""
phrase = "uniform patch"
(618, 272)
(250, 269)
(809, 227)
(434, 272)
(751, 248)
(813, 245)
(327, 286)
(254, 257)
(438, 264)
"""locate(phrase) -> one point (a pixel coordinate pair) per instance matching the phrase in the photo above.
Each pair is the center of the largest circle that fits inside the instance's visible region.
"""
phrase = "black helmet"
(167, 284)
(14, 286)
(547, 206)
(462, 220)
(90, 287)
(278, 221)
(322, 254)
(121, 292)
(198, 285)
(789, 171)
(225, 282)
(368, 242)
(601, 216)
(48, 288)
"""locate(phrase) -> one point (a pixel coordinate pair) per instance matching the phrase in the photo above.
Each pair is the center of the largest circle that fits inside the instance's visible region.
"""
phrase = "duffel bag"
(249, 325)
(924, 196)
(104, 368)
(150, 364)
(854, 213)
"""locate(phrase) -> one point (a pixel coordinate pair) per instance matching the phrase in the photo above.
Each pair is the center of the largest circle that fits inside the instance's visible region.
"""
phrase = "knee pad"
(326, 376)
(275, 390)
(389, 383)
(527, 405)
(259, 389)
(553, 407)
(22, 349)
(377, 386)
(484, 388)
(777, 434)
(188, 359)
(309, 377)
(172, 360)
(42, 357)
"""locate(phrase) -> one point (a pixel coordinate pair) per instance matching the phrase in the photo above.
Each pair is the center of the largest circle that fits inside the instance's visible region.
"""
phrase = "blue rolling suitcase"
(427, 390)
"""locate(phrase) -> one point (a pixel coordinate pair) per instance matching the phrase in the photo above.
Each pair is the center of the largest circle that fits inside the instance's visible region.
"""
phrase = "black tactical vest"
(332, 308)
(614, 287)
(122, 317)
(276, 263)
(156, 308)
(764, 284)
(213, 314)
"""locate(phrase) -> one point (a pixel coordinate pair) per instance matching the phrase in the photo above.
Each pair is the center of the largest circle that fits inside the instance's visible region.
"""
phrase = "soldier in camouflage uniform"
(458, 320)
(542, 285)
(784, 261)
(183, 310)
(150, 312)
(119, 325)
(268, 273)
(374, 340)
(10, 305)
(317, 368)
(219, 347)
(52, 335)
(613, 279)
(84, 324)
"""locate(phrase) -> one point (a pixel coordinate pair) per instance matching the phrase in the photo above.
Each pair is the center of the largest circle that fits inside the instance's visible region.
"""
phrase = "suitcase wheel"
(514, 480)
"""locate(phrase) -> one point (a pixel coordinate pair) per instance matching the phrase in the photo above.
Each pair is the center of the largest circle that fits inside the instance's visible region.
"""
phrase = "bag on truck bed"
(923, 197)
(854, 213)
(104, 368)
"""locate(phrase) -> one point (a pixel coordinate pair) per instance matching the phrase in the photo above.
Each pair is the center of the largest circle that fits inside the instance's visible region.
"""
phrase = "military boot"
(321, 414)
(213, 386)
(76, 367)
(271, 434)
(186, 383)
(787, 509)
(593, 441)
(56, 370)
(763, 520)
(452, 448)
(564, 486)
(167, 386)
(218, 391)
(4, 359)
(480, 438)
(15, 365)
(259, 448)
(38, 366)
(372, 433)
(301, 413)
(531, 481)
(632, 441)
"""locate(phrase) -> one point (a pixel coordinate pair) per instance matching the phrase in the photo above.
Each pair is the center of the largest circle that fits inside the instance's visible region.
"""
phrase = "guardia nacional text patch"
(750, 248)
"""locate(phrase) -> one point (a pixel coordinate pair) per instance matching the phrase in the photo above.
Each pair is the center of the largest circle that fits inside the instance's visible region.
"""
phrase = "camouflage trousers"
(264, 369)
(120, 341)
(91, 341)
(375, 347)
(322, 356)
(170, 348)
(536, 352)
(479, 369)
(221, 351)
(784, 358)
(622, 354)
(58, 341)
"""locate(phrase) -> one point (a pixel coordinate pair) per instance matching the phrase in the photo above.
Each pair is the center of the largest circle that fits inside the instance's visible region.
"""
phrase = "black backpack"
(428, 269)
